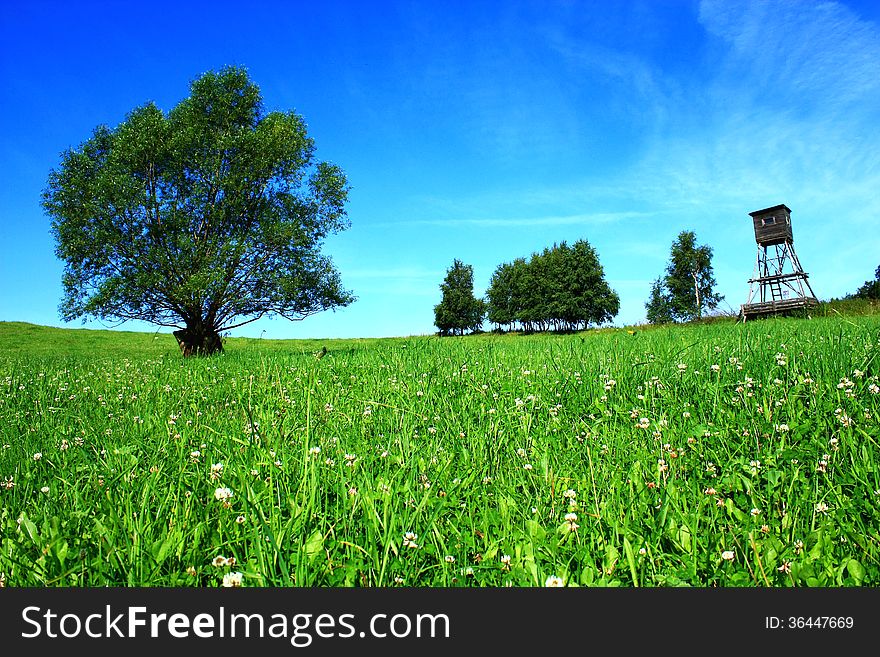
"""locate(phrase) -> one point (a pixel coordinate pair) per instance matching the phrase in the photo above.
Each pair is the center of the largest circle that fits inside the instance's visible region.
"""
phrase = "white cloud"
(596, 218)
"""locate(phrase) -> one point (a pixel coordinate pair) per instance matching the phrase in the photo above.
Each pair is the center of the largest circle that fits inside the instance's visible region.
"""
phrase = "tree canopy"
(204, 218)
(687, 289)
(560, 288)
(459, 310)
(870, 289)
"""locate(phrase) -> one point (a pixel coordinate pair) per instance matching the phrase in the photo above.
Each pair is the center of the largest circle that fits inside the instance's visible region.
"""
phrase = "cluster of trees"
(687, 288)
(560, 288)
(870, 289)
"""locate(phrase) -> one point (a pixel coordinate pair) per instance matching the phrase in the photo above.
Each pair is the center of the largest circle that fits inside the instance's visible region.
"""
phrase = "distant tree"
(588, 299)
(870, 289)
(536, 291)
(658, 306)
(688, 287)
(501, 297)
(203, 219)
(459, 310)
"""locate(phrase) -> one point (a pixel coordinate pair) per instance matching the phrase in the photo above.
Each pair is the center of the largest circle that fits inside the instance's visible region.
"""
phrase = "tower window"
(768, 221)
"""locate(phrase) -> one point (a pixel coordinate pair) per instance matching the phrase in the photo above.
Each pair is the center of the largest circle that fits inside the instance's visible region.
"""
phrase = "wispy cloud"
(821, 54)
(405, 282)
(391, 272)
(592, 219)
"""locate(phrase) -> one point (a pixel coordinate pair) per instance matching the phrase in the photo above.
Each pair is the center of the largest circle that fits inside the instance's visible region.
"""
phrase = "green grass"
(673, 446)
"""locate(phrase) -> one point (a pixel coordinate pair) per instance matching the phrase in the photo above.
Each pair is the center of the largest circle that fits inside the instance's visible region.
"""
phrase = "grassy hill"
(712, 454)
(21, 338)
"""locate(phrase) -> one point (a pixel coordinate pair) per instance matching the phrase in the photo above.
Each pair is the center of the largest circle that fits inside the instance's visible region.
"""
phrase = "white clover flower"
(409, 540)
(222, 494)
(727, 555)
(449, 558)
(44, 489)
(232, 580)
(38, 456)
(219, 561)
(554, 581)
(821, 507)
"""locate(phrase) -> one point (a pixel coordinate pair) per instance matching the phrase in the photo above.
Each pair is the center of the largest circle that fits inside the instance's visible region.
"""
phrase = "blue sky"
(484, 131)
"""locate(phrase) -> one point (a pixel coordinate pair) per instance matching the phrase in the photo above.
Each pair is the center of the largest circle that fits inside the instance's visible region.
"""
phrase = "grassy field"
(718, 454)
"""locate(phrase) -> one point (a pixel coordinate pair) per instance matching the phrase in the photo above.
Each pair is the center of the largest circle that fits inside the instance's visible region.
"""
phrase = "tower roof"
(781, 206)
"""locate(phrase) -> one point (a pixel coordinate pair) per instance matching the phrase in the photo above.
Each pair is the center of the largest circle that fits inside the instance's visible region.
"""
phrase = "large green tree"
(459, 310)
(687, 289)
(204, 218)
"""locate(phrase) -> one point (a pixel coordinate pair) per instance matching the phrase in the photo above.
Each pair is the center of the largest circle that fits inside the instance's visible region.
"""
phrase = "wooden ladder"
(776, 290)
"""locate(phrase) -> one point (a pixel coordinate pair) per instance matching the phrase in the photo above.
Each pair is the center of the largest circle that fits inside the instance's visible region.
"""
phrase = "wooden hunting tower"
(779, 284)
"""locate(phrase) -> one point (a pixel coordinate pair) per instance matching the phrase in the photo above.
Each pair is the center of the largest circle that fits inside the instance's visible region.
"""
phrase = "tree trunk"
(198, 340)
(697, 295)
